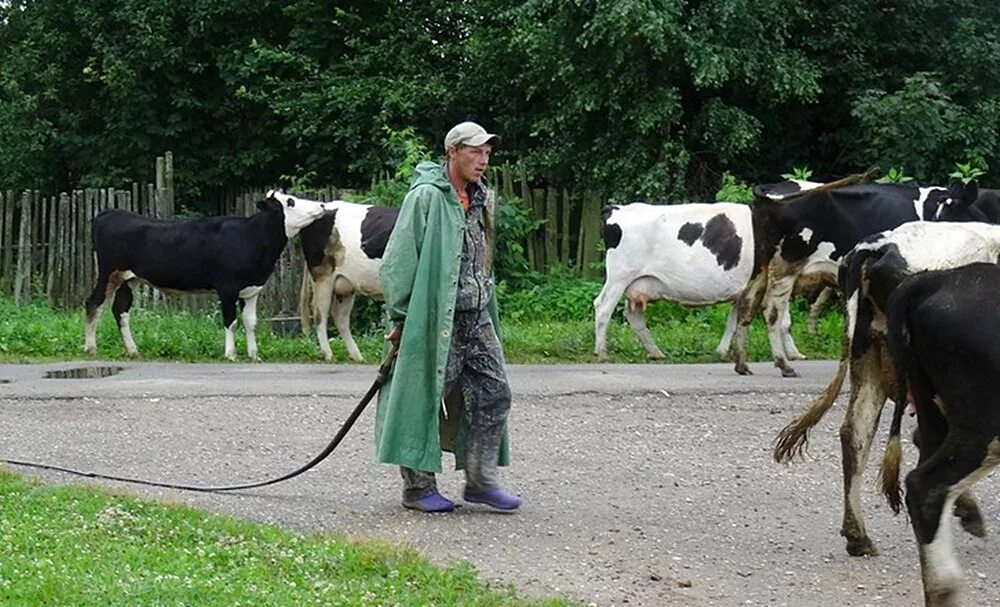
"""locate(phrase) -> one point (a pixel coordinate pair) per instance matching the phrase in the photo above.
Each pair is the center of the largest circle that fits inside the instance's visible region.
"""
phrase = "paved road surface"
(643, 484)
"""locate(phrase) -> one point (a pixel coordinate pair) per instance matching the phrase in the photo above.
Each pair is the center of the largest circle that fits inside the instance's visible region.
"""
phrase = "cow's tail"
(793, 440)
(898, 340)
(888, 474)
(306, 311)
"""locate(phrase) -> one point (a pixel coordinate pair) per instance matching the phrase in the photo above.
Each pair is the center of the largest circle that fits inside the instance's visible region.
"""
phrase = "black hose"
(383, 373)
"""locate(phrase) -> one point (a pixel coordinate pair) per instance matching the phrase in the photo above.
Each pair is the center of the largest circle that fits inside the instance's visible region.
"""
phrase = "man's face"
(470, 162)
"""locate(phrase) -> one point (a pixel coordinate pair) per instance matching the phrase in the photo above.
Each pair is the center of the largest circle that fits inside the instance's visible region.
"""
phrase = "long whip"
(383, 374)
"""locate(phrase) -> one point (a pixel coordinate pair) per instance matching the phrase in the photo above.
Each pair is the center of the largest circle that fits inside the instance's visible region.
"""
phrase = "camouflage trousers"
(476, 367)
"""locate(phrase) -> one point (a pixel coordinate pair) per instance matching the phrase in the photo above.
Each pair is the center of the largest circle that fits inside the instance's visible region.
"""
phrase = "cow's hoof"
(789, 372)
(602, 358)
(861, 547)
(132, 354)
(944, 594)
(89, 352)
(655, 356)
(743, 370)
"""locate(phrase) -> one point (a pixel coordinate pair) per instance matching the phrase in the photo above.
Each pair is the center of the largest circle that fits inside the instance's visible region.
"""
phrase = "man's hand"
(395, 334)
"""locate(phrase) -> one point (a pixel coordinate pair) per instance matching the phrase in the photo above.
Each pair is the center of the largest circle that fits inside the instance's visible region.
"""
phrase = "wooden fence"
(571, 230)
(45, 240)
(46, 248)
(46, 251)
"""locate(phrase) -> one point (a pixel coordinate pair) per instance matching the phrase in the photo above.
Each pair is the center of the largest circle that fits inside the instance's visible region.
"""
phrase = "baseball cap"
(469, 133)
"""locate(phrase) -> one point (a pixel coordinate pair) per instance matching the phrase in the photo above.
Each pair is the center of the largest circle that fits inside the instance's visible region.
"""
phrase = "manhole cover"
(83, 373)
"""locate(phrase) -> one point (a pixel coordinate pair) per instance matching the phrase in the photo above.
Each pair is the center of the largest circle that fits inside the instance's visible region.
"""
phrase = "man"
(437, 278)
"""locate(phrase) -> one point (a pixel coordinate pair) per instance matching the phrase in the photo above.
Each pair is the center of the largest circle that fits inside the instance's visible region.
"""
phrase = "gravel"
(643, 484)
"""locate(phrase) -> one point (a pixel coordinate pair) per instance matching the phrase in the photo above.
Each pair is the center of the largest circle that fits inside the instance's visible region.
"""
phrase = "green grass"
(70, 546)
(535, 328)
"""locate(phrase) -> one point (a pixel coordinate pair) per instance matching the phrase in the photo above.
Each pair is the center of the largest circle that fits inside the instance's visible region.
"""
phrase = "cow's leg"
(635, 312)
(604, 307)
(342, 320)
(747, 305)
(791, 350)
(121, 307)
(227, 302)
(967, 511)
(307, 308)
(816, 307)
(250, 326)
(928, 441)
(106, 287)
(860, 423)
(722, 349)
(323, 305)
(932, 490)
(779, 292)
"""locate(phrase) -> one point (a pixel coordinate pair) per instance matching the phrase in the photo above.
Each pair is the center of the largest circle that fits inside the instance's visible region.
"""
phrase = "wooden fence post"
(590, 232)
(62, 263)
(551, 227)
(566, 210)
(53, 247)
(168, 184)
(22, 276)
(538, 201)
(7, 241)
(34, 267)
(529, 240)
(161, 188)
(87, 254)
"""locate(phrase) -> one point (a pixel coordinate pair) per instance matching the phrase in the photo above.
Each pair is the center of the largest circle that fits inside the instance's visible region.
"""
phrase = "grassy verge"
(37, 333)
(73, 546)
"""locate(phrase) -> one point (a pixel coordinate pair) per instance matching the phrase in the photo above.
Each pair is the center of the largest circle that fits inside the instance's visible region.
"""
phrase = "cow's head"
(959, 204)
(298, 212)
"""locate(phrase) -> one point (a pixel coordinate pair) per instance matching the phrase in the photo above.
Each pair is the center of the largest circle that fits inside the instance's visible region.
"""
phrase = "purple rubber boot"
(433, 502)
(495, 498)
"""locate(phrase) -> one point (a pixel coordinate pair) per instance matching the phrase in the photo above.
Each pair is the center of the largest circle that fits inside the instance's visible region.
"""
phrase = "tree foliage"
(644, 98)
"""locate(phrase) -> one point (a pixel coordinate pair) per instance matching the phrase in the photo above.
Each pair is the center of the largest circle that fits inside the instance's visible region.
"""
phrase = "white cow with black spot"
(692, 254)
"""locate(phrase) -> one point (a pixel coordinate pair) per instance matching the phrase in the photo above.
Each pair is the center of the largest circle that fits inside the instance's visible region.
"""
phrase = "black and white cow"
(692, 254)
(343, 252)
(912, 247)
(233, 256)
(942, 334)
(810, 233)
(967, 202)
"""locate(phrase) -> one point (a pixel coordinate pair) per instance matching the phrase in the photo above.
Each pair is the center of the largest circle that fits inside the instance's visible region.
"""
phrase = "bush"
(734, 190)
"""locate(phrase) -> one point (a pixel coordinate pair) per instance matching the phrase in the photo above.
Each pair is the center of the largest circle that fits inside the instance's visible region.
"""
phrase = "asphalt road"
(643, 484)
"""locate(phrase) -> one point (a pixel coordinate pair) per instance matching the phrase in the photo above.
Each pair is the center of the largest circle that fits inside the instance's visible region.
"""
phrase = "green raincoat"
(419, 277)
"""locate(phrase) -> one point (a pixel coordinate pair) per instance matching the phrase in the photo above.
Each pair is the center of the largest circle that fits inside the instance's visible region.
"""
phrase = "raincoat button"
(444, 333)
